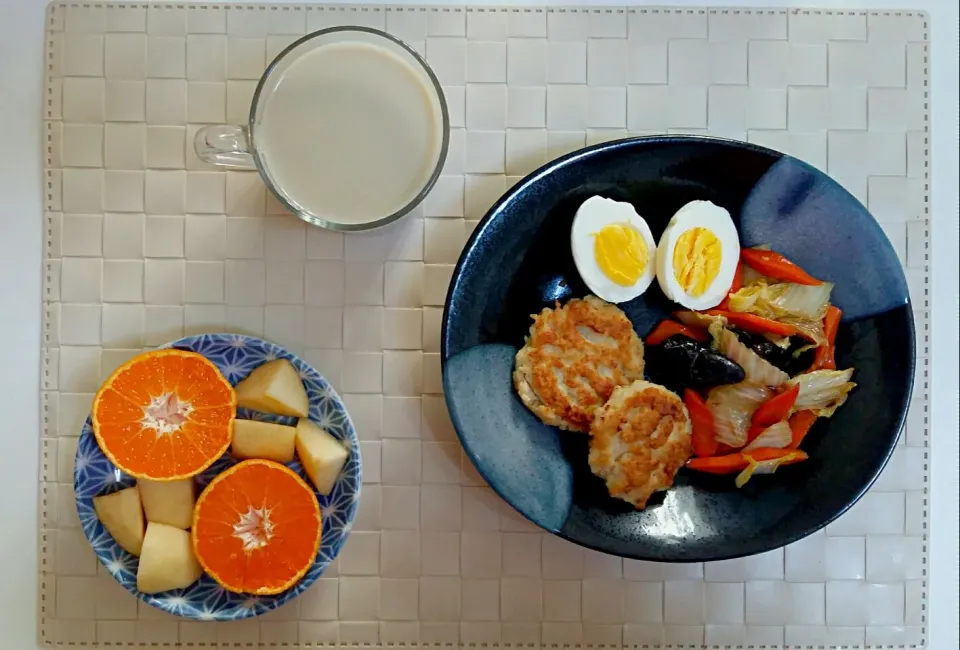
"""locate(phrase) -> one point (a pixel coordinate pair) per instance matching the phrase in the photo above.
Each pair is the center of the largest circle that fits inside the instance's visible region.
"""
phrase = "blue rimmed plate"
(235, 355)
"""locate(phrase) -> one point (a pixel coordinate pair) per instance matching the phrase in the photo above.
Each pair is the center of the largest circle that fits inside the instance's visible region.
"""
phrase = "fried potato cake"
(574, 357)
(638, 441)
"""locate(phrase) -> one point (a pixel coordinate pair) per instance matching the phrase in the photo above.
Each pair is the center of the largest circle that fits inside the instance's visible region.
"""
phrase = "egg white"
(592, 215)
(699, 214)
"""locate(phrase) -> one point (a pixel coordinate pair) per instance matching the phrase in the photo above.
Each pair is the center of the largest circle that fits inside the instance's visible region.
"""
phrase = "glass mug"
(348, 128)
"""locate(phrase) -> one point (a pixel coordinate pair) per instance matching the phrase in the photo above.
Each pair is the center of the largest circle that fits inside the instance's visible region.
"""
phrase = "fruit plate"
(235, 355)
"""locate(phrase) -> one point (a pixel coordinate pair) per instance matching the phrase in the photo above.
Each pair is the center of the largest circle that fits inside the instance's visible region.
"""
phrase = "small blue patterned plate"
(235, 355)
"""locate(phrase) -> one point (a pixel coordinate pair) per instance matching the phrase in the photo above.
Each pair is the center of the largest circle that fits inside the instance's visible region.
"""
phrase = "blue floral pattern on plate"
(235, 355)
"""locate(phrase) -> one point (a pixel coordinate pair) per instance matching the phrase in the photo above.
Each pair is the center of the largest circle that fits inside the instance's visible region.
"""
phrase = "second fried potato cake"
(638, 441)
(574, 357)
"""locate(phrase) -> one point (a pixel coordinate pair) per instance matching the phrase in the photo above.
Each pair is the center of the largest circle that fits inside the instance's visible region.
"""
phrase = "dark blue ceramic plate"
(519, 261)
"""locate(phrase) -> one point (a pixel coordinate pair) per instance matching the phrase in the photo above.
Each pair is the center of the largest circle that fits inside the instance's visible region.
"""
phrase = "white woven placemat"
(143, 243)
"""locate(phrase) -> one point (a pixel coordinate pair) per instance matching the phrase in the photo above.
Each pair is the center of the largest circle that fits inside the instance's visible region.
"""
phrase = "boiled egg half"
(697, 255)
(613, 249)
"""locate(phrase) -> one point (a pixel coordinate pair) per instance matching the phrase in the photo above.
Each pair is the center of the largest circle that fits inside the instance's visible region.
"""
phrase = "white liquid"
(351, 132)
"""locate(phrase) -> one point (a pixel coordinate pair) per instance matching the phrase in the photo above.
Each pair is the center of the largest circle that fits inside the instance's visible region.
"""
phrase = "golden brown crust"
(638, 441)
(574, 357)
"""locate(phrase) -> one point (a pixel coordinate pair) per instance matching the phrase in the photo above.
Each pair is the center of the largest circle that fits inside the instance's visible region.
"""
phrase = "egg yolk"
(696, 260)
(621, 253)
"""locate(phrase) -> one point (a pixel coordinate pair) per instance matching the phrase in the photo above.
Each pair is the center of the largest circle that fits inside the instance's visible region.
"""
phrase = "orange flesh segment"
(281, 502)
(179, 391)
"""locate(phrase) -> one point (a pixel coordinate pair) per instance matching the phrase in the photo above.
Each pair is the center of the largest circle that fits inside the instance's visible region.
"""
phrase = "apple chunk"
(167, 561)
(322, 455)
(121, 514)
(274, 387)
(168, 502)
(252, 439)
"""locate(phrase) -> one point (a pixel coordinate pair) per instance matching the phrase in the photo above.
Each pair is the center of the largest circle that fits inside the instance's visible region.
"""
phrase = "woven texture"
(143, 243)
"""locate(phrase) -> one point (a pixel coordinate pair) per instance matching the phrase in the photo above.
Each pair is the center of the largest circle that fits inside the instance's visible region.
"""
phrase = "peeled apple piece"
(253, 439)
(122, 516)
(322, 455)
(168, 502)
(274, 387)
(167, 561)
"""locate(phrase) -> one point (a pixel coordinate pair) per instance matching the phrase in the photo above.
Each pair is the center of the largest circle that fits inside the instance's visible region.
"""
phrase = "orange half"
(256, 528)
(164, 415)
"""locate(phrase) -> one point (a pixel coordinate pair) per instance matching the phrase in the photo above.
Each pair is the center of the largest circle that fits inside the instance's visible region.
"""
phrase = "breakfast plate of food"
(217, 477)
(678, 348)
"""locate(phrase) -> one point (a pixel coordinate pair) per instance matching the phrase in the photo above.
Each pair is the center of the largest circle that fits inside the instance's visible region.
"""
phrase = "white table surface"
(21, 81)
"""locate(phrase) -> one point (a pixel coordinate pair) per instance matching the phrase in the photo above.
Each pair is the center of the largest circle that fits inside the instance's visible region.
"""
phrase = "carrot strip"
(754, 431)
(719, 464)
(755, 324)
(776, 408)
(800, 423)
(701, 420)
(667, 328)
(736, 462)
(737, 279)
(772, 453)
(735, 286)
(776, 266)
(825, 358)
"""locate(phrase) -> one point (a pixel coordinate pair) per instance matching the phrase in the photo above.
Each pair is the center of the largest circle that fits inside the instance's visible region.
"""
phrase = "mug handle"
(225, 145)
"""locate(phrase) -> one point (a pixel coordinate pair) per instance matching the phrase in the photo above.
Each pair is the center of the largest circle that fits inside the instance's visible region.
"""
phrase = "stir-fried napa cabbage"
(751, 276)
(699, 319)
(732, 406)
(794, 304)
(769, 466)
(783, 299)
(758, 370)
(776, 436)
(822, 391)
